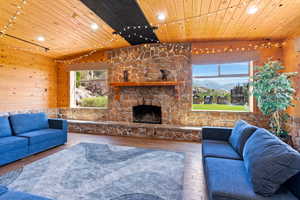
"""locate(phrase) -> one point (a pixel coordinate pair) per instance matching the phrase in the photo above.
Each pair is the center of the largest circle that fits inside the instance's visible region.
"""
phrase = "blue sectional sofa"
(22, 135)
(249, 163)
(6, 194)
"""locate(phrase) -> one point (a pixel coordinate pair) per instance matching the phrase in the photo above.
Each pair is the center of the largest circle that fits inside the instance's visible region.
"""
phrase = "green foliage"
(94, 102)
(274, 93)
(219, 107)
(78, 78)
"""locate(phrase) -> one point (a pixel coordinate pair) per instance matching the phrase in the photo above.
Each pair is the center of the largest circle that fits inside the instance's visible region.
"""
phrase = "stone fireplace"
(147, 114)
(145, 64)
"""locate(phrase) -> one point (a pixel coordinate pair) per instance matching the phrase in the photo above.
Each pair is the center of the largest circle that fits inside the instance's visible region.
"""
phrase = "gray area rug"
(89, 171)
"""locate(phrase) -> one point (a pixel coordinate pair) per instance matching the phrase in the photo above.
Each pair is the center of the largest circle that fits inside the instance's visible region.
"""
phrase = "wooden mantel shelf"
(117, 86)
(141, 84)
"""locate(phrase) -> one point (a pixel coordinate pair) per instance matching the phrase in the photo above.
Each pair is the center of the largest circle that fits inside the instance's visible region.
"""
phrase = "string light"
(13, 18)
(206, 50)
(153, 27)
(197, 51)
(249, 47)
(70, 61)
(128, 31)
(21, 48)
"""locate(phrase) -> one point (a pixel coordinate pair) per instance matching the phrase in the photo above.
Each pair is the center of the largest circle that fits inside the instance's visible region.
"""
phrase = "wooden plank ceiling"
(65, 24)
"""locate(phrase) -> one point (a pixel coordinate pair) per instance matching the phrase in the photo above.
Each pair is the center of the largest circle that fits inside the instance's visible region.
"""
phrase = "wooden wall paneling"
(197, 26)
(211, 25)
(264, 21)
(27, 81)
(292, 64)
(288, 22)
(234, 21)
(66, 23)
(265, 17)
(246, 21)
(219, 17)
(228, 17)
(63, 86)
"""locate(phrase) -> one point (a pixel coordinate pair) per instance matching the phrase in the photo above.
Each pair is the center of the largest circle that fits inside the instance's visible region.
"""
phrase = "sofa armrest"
(216, 133)
(3, 189)
(58, 124)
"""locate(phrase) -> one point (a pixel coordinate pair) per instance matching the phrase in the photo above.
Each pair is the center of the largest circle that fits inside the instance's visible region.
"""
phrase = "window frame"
(249, 74)
(72, 88)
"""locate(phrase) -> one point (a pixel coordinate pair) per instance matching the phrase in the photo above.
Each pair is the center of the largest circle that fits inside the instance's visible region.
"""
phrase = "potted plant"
(274, 93)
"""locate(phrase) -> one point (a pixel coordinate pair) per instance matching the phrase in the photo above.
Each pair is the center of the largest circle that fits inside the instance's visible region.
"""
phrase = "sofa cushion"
(5, 129)
(22, 123)
(227, 180)
(3, 189)
(294, 185)
(269, 162)
(240, 134)
(219, 149)
(42, 135)
(12, 143)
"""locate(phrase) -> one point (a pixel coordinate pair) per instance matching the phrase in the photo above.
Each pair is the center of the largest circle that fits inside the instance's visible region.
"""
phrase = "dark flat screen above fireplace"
(147, 114)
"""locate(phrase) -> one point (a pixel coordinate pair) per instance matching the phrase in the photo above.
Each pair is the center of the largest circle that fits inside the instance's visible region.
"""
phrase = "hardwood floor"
(194, 182)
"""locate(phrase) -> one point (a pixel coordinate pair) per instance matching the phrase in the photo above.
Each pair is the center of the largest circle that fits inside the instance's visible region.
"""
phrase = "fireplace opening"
(147, 114)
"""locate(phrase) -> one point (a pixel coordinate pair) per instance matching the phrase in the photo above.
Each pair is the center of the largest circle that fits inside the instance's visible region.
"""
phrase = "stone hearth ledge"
(158, 131)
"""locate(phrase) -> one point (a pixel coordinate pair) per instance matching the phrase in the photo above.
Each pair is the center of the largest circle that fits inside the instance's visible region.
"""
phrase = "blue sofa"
(227, 173)
(22, 135)
(6, 194)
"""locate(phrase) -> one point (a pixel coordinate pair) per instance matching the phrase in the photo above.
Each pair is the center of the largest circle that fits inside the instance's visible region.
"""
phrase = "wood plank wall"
(292, 64)
(27, 81)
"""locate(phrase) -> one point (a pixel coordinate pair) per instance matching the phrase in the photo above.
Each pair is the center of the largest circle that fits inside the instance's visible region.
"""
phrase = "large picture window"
(89, 88)
(221, 86)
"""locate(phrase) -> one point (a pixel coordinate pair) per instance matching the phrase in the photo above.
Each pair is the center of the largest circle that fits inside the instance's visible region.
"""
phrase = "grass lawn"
(100, 101)
(219, 107)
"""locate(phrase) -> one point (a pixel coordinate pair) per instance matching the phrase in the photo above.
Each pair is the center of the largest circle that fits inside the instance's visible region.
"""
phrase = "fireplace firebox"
(147, 114)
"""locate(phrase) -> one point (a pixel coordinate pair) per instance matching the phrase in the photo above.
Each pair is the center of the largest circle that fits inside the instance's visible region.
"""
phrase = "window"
(221, 87)
(89, 88)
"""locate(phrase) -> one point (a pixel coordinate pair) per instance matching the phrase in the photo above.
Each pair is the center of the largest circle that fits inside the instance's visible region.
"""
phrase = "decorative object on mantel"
(117, 86)
(164, 74)
(125, 75)
(274, 93)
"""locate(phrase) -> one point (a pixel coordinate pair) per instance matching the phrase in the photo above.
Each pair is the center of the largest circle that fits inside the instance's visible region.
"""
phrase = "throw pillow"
(269, 162)
(22, 123)
(240, 134)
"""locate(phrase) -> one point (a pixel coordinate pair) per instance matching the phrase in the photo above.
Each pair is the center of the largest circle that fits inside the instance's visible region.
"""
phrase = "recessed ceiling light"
(94, 26)
(252, 10)
(161, 16)
(40, 38)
